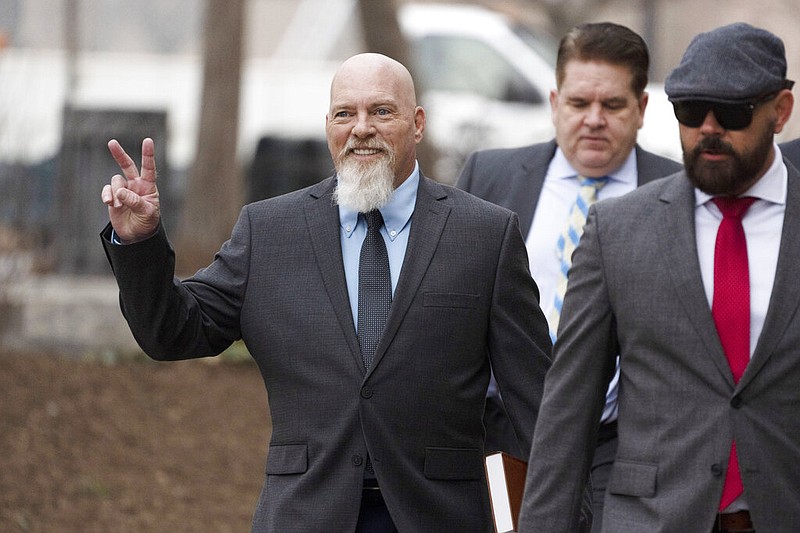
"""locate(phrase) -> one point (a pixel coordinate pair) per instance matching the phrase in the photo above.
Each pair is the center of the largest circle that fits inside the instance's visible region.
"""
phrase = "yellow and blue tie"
(568, 241)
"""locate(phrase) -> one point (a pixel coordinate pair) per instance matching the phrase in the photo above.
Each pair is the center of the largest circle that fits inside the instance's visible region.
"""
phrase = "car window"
(459, 64)
(543, 44)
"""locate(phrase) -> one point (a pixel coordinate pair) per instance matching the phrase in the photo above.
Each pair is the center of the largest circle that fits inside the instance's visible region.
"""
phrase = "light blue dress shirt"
(397, 225)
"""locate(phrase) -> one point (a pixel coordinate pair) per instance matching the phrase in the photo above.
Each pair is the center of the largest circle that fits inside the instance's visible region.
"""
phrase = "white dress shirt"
(560, 188)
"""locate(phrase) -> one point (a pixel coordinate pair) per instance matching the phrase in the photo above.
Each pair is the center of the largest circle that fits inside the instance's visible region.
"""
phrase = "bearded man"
(692, 280)
(373, 302)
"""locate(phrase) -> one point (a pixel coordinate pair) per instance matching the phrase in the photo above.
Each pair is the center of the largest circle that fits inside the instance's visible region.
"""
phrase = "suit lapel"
(785, 296)
(427, 225)
(530, 179)
(650, 167)
(678, 244)
(322, 217)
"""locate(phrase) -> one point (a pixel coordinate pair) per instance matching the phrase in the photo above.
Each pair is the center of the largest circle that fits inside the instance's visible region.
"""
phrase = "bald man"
(376, 366)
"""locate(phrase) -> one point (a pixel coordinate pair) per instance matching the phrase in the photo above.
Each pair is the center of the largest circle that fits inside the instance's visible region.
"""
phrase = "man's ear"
(784, 103)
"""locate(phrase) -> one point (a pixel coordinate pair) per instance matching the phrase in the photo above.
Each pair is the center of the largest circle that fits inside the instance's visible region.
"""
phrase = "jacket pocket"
(287, 459)
(450, 299)
(629, 478)
(453, 463)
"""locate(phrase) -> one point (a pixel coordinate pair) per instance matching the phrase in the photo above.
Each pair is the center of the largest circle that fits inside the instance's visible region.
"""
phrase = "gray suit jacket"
(464, 298)
(636, 289)
(513, 177)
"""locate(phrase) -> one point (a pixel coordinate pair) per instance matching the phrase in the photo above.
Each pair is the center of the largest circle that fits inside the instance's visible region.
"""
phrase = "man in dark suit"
(692, 280)
(373, 430)
(597, 109)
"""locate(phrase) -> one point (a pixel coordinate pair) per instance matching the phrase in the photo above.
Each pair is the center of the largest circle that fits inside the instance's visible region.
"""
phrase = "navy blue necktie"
(374, 288)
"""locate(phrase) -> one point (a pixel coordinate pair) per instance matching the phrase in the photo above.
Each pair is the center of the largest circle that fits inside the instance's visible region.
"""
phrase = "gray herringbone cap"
(730, 64)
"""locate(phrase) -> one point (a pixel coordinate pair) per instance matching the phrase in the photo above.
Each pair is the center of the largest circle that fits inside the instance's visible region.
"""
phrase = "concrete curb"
(66, 314)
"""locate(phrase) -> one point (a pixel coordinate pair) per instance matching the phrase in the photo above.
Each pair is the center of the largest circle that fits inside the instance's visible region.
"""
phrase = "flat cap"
(730, 64)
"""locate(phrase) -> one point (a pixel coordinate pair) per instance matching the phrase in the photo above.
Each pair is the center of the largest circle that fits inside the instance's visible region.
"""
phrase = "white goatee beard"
(364, 187)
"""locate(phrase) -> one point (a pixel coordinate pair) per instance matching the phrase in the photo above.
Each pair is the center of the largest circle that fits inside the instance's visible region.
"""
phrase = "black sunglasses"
(692, 113)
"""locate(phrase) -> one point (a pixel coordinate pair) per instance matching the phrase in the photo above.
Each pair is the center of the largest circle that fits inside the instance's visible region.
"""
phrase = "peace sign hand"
(132, 198)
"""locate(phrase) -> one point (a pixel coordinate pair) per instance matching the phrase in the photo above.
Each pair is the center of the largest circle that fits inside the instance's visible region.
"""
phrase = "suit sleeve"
(519, 342)
(173, 319)
(574, 395)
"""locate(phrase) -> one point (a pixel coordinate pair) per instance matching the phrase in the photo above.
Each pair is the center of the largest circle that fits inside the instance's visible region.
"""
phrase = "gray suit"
(464, 298)
(636, 289)
(514, 178)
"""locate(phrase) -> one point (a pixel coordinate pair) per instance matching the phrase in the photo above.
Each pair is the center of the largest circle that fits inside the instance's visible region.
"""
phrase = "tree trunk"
(214, 187)
(382, 35)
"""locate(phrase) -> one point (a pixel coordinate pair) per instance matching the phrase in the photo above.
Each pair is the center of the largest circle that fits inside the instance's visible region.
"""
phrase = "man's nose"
(710, 124)
(595, 116)
(364, 126)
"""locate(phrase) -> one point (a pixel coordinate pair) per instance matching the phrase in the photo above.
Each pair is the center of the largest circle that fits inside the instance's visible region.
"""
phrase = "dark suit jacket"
(791, 151)
(513, 177)
(636, 289)
(464, 297)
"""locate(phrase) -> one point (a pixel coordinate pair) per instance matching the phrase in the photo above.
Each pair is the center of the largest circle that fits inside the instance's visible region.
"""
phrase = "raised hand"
(131, 197)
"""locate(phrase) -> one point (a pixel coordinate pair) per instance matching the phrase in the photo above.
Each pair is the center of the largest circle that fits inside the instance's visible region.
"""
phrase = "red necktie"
(731, 310)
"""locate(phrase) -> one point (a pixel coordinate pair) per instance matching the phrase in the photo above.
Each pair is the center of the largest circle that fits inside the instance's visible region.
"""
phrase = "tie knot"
(733, 207)
(374, 219)
(597, 183)
(594, 183)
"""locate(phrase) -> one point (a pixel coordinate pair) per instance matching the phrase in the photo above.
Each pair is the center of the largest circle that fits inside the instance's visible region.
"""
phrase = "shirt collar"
(771, 187)
(396, 213)
(560, 168)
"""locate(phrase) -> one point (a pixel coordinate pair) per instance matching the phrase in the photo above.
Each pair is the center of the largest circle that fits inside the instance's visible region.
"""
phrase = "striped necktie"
(568, 241)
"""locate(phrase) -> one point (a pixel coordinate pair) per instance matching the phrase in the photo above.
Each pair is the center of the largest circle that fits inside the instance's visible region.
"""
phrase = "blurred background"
(234, 93)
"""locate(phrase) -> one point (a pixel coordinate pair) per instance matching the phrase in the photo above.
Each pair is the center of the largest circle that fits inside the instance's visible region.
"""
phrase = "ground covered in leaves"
(134, 446)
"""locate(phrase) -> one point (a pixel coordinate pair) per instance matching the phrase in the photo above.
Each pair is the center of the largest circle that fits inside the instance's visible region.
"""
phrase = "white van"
(488, 81)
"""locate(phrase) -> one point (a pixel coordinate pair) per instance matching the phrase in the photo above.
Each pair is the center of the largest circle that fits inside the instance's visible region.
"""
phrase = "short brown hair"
(609, 42)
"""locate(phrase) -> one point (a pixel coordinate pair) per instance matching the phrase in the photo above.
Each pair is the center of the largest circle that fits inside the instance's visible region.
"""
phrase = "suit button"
(366, 393)
(716, 469)
(357, 460)
(736, 402)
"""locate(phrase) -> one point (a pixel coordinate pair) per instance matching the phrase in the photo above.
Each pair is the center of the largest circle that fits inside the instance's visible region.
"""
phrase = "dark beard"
(731, 177)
